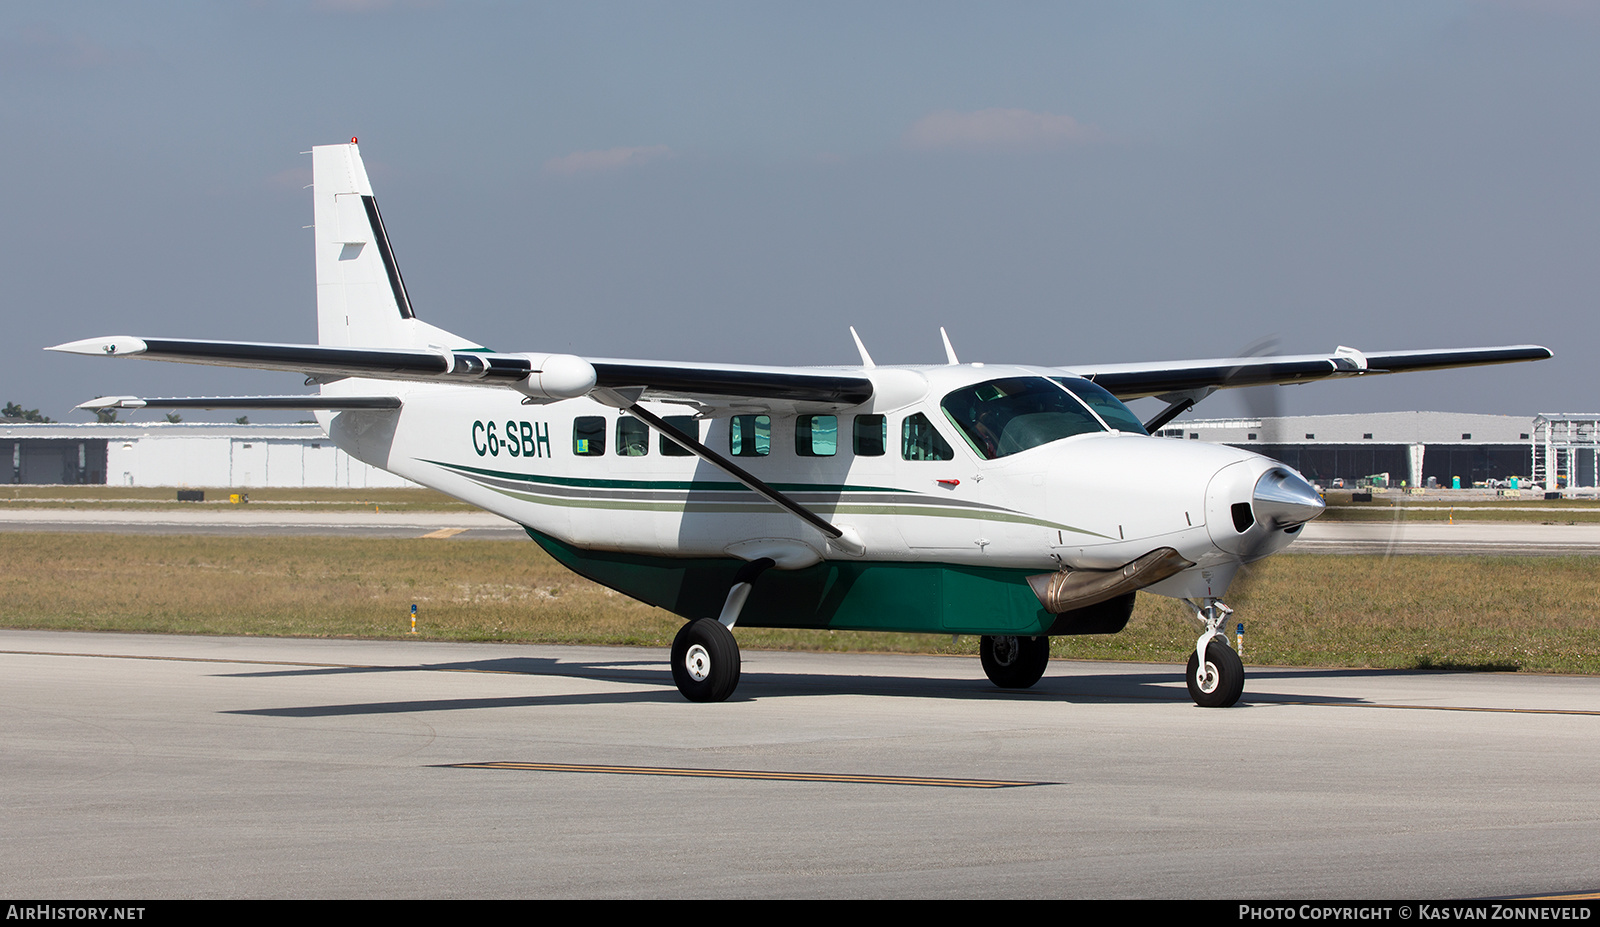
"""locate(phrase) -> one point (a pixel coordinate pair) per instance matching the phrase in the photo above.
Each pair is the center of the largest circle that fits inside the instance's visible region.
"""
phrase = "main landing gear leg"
(1215, 673)
(705, 657)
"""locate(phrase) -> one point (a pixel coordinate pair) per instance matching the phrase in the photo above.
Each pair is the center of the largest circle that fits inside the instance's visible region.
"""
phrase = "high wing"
(1170, 379)
(548, 377)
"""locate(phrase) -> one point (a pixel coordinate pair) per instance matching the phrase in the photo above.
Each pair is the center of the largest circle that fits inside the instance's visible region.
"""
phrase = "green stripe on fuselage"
(756, 504)
(700, 485)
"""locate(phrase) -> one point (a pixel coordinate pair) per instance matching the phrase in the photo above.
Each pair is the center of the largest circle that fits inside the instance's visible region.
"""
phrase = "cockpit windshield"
(1108, 407)
(1004, 417)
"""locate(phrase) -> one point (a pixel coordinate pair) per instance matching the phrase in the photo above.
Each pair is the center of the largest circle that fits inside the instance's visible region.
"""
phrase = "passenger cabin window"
(869, 435)
(816, 435)
(1004, 417)
(919, 440)
(689, 425)
(633, 437)
(589, 436)
(1110, 409)
(750, 436)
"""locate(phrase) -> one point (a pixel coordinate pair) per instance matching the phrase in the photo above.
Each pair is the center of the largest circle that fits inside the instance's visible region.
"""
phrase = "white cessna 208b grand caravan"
(1010, 502)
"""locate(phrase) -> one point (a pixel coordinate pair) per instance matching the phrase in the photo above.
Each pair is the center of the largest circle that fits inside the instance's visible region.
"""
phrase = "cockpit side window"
(1109, 407)
(1004, 417)
(920, 441)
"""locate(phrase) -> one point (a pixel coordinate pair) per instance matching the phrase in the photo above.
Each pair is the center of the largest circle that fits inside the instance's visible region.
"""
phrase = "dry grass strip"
(1501, 613)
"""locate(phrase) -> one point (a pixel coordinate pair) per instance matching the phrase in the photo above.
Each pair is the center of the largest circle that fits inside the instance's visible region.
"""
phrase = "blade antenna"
(866, 359)
(949, 351)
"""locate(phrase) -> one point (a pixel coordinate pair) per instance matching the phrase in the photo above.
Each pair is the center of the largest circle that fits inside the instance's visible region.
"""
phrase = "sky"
(1055, 183)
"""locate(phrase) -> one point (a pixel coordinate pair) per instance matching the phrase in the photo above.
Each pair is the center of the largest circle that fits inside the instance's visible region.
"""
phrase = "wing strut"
(1169, 413)
(833, 533)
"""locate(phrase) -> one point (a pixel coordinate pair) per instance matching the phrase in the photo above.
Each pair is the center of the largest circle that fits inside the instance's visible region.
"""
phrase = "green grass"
(1432, 506)
(1503, 613)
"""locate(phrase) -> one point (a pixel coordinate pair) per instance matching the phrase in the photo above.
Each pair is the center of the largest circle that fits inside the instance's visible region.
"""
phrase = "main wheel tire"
(1014, 662)
(705, 661)
(1223, 681)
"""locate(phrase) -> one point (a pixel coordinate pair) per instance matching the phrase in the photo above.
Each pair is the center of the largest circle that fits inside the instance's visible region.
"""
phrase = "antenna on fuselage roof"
(949, 352)
(866, 359)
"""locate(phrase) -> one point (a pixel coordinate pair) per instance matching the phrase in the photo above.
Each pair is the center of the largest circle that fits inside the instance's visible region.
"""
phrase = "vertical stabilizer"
(361, 297)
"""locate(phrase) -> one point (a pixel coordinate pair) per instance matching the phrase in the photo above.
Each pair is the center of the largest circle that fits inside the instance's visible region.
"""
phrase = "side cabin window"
(869, 435)
(1004, 417)
(919, 440)
(816, 435)
(633, 437)
(689, 426)
(750, 436)
(589, 435)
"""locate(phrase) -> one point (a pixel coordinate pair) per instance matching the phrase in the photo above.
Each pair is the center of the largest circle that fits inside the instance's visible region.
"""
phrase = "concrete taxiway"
(156, 766)
(1384, 537)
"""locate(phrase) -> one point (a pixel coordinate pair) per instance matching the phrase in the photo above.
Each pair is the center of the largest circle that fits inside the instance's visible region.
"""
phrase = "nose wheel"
(1218, 680)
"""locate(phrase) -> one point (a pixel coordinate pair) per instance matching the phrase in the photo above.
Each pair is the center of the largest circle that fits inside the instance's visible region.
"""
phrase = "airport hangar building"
(181, 454)
(1549, 449)
(1410, 446)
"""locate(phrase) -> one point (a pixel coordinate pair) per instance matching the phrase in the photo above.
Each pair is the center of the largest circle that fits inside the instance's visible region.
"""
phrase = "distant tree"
(15, 410)
(106, 416)
(242, 420)
(174, 417)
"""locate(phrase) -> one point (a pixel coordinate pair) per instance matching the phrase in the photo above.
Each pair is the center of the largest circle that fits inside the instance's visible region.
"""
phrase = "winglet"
(949, 352)
(866, 359)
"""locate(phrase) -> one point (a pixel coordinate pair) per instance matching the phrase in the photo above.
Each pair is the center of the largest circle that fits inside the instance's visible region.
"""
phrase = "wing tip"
(111, 402)
(113, 346)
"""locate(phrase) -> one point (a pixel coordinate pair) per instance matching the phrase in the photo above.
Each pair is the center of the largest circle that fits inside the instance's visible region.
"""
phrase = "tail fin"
(361, 297)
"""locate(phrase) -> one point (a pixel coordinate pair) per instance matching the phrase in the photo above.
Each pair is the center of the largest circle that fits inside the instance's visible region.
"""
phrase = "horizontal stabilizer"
(291, 403)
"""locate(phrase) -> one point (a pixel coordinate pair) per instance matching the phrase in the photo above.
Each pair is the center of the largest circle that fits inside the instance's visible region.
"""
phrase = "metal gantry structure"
(1566, 450)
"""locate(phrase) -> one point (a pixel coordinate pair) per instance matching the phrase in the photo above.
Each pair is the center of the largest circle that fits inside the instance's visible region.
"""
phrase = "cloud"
(40, 48)
(588, 162)
(1004, 129)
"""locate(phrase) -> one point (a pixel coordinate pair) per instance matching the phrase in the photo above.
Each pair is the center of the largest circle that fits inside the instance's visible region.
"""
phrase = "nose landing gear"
(1215, 673)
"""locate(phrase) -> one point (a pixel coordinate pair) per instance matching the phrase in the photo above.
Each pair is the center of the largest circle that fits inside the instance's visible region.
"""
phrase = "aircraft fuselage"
(948, 535)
